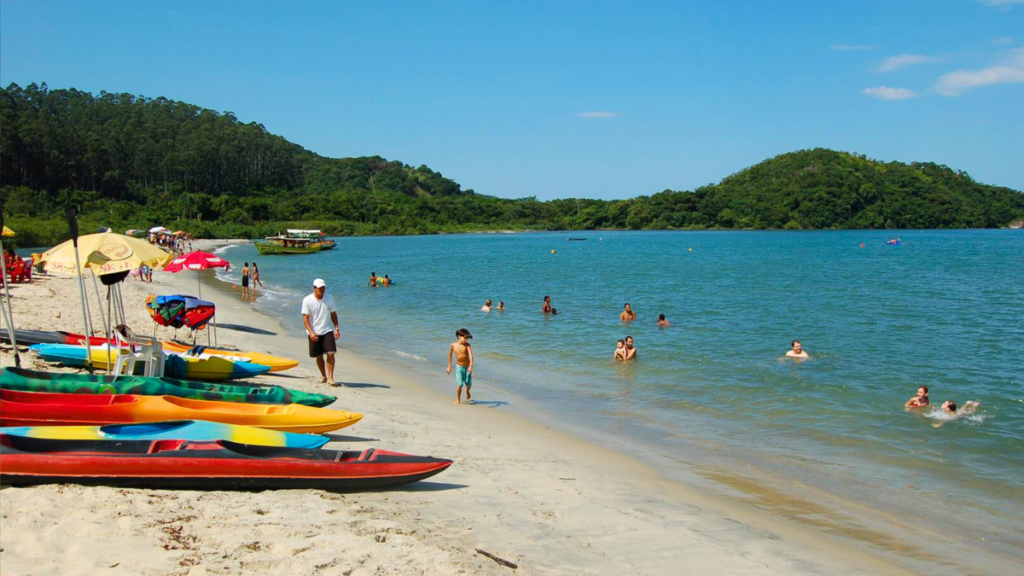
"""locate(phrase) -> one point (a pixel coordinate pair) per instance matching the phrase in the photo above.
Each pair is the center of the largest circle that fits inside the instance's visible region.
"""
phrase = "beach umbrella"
(104, 253)
(158, 230)
(197, 261)
(8, 232)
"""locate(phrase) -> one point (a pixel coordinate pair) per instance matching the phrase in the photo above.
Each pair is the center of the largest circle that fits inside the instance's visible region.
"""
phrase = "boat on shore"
(286, 245)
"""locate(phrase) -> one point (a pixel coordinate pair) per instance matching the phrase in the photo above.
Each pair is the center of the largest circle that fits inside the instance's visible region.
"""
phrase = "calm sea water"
(944, 310)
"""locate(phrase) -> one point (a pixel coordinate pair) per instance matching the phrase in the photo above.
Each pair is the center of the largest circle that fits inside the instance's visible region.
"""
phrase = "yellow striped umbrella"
(104, 253)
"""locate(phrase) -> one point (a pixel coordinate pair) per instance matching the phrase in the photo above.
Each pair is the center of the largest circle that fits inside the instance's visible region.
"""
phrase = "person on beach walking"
(245, 281)
(463, 363)
(318, 314)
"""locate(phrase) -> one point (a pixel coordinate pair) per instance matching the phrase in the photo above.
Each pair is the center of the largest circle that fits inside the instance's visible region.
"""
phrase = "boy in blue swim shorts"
(463, 362)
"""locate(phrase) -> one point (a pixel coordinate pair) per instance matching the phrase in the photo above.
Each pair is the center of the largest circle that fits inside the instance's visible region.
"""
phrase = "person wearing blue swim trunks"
(463, 353)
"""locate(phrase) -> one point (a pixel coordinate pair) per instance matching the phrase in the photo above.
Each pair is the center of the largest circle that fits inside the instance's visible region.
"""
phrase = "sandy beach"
(542, 499)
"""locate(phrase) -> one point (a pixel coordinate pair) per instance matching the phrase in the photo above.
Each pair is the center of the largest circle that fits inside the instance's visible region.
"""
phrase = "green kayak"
(33, 381)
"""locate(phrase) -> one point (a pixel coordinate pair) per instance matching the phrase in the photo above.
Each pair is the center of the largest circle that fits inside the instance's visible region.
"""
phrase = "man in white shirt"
(318, 314)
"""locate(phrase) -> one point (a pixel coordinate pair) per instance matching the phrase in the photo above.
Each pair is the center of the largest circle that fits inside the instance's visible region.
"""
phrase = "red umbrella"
(197, 260)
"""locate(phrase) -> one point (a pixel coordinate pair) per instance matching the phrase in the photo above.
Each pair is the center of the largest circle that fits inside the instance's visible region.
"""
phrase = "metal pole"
(73, 228)
(7, 310)
(99, 303)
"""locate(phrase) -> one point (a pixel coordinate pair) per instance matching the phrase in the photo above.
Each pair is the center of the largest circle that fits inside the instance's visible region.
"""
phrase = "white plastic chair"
(150, 353)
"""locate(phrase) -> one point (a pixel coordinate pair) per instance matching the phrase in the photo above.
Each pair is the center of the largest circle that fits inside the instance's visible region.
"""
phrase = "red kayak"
(199, 465)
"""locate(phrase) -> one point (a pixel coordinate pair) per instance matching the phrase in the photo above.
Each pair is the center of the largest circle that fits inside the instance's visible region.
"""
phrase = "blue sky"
(564, 99)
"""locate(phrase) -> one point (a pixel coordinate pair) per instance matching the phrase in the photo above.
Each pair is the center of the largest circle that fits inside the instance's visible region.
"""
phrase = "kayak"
(202, 367)
(276, 363)
(30, 337)
(35, 381)
(205, 465)
(45, 409)
(178, 430)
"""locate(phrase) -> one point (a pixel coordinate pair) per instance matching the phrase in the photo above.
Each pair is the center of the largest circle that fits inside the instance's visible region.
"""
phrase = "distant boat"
(576, 239)
(287, 245)
(315, 236)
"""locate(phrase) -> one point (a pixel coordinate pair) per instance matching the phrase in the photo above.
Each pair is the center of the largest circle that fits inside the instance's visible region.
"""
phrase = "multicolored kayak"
(54, 382)
(202, 367)
(205, 465)
(276, 363)
(179, 430)
(44, 409)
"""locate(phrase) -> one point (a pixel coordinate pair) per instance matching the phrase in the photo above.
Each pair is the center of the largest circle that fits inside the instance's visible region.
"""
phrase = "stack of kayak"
(163, 432)
(180, 311)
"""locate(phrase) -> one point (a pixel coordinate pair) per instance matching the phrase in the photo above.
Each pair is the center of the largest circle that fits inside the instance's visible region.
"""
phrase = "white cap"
(319, 283)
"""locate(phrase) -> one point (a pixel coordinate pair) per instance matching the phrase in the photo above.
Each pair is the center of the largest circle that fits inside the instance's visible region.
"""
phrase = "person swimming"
(628, 315)
(546, 308)
(501, 305)
(920, 400)
(631, 352)
(969, 407)
(662, 322)
(486, 307)
(797, 351)
(373, 280)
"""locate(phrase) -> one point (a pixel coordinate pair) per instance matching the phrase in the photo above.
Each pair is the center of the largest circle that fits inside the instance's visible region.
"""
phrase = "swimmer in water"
(620, 350)
(630, 350)
(627, 313)
(662, 322)
(797, 351)
(970, 407)
(546, 308)
(501, 305)
(919, 401)
(486, 307)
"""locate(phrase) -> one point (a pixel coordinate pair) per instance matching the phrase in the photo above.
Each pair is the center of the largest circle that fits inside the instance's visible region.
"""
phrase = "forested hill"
(133, 162)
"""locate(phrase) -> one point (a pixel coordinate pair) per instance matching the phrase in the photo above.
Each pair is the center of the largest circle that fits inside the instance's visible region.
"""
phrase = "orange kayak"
(45, 409)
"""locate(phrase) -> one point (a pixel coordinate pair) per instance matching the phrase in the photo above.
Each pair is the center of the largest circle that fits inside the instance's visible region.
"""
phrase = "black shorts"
(324, 344)
(245, 281)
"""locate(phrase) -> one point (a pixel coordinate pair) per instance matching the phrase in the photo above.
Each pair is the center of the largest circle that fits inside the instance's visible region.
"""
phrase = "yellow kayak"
(276, 363)
(202, 367)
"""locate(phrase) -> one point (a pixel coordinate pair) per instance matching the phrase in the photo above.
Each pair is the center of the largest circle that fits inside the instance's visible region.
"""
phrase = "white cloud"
(1002, 2)
(854, 47)
(598, 114)
(1009, 72)
(886, 93)
(902, 61)
(1004, 41)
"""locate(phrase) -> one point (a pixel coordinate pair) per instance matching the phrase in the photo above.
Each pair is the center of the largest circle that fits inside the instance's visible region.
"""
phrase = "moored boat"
(62, 383)
(315, 236)
(46, 409)
(195, 430)
(286, 245)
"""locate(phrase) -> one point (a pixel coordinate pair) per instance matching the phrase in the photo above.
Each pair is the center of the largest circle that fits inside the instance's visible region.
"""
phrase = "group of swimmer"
(375, 281)
(487, 306)
(920, 400)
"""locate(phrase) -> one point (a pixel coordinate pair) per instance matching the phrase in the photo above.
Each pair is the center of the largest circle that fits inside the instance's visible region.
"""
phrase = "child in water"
(620, 350)
(463, 363)
(920, 400)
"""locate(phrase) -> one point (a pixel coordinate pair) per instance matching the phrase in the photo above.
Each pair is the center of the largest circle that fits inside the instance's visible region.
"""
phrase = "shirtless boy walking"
(463, 362)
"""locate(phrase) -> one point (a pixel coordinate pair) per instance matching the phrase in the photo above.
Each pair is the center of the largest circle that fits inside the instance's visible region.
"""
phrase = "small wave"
(498, 356)
(411, 356)
(222, 249)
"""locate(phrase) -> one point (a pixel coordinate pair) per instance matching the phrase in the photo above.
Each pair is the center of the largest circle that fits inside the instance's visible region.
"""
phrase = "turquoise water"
(943, 310)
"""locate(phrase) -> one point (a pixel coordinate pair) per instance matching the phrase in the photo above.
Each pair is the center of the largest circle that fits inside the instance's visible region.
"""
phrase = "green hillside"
(132, 162)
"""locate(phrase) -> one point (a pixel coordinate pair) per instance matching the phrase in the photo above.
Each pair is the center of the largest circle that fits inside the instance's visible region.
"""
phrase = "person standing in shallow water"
(627, 313)
(798, 351)
(631, 351)
(256, 277)
(245, 281)
(920, 400)
(546, 308)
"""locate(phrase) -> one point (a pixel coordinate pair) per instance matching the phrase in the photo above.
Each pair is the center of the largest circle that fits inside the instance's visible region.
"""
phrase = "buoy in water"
(554, 251)
(690, 249)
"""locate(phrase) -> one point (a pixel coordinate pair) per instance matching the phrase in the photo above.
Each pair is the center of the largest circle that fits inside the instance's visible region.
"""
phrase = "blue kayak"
(203, 367)
(198, 430)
